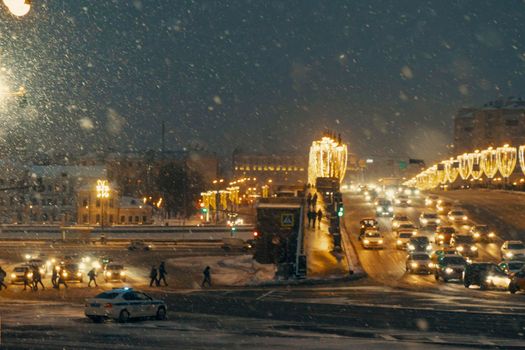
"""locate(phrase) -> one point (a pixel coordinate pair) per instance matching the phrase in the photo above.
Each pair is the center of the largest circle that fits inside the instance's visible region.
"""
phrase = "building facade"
(495, 124)
(281, 169)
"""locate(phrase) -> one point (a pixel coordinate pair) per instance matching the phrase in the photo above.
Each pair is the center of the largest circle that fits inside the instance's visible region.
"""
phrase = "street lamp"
(102, 193)
(18, 8)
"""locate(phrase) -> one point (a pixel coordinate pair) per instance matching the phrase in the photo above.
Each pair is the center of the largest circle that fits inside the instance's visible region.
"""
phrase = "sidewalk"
(322, 261)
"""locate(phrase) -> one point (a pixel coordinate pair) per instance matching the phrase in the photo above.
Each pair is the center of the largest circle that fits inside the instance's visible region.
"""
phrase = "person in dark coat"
(2, 278)
(162, 273)
(37, 278)
(309, 200)
(153, 276)
(28, 278)
(92, 274)
(61, 280)
(314, 217)
(207, 277)
(54, 276)
(314, 200)
(319, 217)
(309, 216)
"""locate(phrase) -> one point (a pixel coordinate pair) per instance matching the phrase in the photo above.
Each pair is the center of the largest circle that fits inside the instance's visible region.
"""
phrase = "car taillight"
(108, 306)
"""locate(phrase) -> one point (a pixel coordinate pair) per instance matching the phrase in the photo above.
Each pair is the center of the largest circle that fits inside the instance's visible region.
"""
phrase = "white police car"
(123, 304)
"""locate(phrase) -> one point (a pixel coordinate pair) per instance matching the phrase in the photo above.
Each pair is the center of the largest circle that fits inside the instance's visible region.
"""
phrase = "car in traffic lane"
(512, 266)
(464, 245)
(399, 220)
(517, 282)
(457, 215)
(444, 234)
(115, 272)
(450, 267)
(512, 250)
(419, 263)
(403, 238)
(485, 275)
(419, 244)
(123, 305)
(429, 219)
(482, 233)
(366, 224)
(372, 239)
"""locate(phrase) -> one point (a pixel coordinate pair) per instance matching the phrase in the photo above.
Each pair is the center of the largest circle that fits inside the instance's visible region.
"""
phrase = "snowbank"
(239, 270)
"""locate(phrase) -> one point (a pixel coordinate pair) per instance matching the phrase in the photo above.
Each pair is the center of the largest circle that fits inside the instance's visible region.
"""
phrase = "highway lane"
(387, 266)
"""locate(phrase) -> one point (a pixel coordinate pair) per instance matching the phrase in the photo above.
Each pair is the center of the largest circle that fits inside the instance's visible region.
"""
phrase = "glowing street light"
(328, 158)
(506, 159)
(18, 8)
(102, 193)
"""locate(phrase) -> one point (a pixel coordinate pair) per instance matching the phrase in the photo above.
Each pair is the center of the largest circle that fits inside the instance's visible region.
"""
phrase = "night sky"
(259, 75)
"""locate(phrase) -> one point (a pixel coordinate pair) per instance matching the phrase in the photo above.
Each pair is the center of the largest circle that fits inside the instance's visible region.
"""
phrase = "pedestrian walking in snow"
(319, 217)
(153, 276)
(207, 277)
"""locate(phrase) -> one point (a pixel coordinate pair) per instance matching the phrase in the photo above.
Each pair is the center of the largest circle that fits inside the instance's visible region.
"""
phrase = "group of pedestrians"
(158, 275)
(57, 278)
(311, 201)
(314, 216)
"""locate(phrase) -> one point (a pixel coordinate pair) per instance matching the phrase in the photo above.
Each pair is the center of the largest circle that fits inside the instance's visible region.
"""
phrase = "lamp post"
(102, 193)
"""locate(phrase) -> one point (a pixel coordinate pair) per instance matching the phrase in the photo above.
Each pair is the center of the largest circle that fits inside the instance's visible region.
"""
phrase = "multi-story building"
(113, 210)
(495, 124)
(280, 168)
(53, 191)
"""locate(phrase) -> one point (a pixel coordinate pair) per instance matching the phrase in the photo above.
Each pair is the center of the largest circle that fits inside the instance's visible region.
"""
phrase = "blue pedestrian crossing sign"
(287, 220)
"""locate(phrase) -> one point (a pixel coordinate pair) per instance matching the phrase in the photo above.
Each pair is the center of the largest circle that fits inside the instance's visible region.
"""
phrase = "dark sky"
(261, 75)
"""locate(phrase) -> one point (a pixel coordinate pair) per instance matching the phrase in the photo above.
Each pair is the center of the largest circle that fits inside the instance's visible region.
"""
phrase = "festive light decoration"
(522, 158)
(441, 174)
(489, 162)
(452, 169)
(506, 157)
(465, 167)
(328, 158)
(475, 165)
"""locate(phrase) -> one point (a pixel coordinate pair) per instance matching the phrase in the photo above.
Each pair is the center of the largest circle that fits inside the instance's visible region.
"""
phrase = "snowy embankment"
(239, 270)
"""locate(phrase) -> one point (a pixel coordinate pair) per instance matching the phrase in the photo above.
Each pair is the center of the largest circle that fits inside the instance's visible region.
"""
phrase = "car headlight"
(416, 192)
(492, 235)
(448, 270)
(64, 274)
(409, 201)
(489, 279)
(366, 241)
(438, 221)
(96, 265)
(509, 254)
(473, 248)
(414, 233)
(362, 226)
(42, 271)
(30, 275)
(429, 247)
(431, 265)
(13, 275)
(398, 201)
(79, 274)
(82, 266)
(399, 242)
(380, 241)
(476, 235)
(28, 256)
(390, 209)
(379, 209)
(122, 273)
(414, 264)
(459, 249)
(424, 221)
(465, 218)
(108, 274)
(441, 237)
(411, 247)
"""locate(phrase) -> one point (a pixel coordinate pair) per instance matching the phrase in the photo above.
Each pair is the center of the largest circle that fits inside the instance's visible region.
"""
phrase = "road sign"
(287, 220)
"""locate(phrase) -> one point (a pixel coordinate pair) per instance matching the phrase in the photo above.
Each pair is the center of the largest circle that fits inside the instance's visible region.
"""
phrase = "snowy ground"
(239, 270)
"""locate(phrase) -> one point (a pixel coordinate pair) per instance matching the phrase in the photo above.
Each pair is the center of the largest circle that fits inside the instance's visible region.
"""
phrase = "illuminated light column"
(328, 158)
(476, 170)
(489, 162)
(522, 158)
(465, 167)
(452, 170)
(506, 159)
(433, 179)
(440, 173)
